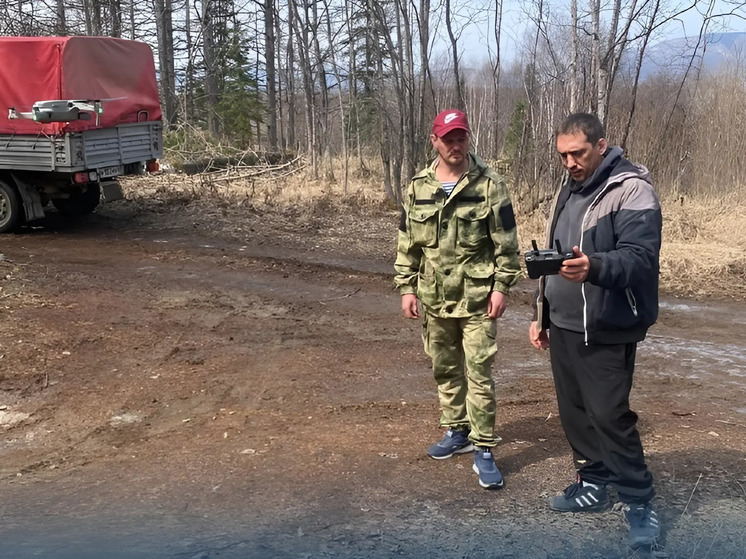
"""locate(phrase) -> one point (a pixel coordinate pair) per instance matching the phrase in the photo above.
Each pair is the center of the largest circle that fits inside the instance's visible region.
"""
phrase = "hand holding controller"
(544, 262)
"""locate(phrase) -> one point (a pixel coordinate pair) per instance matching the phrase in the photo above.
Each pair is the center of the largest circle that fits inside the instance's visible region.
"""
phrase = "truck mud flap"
(111, 191)
(31, 199)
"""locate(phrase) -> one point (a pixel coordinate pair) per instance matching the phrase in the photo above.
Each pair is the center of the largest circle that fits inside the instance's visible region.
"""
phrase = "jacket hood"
(626, 169)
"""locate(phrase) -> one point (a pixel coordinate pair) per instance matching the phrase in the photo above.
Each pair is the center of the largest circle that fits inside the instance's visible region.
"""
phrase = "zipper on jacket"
(631, 300)
(580, 246)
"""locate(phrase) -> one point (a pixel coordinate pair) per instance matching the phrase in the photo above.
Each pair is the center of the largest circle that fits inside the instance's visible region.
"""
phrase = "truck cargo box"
(118, 72)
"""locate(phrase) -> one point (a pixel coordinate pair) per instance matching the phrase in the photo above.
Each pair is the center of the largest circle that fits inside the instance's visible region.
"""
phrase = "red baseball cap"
(450, 119)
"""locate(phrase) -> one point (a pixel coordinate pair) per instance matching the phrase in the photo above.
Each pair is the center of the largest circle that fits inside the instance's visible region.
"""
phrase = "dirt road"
(175, 384)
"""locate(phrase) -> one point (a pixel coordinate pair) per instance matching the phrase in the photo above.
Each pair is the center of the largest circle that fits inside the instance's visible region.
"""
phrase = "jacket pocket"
(471, 227)
(610, 309)
(631, 300)
(477, 286)
(423, 223)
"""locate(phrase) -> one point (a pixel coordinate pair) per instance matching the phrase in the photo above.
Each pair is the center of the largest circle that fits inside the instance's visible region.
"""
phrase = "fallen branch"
(258, 170)
(325, 301)
(228, 175)
(692, 495)
(730, 423)
(741, 486)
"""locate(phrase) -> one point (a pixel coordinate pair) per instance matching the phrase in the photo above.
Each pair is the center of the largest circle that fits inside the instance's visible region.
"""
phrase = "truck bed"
(105, 149)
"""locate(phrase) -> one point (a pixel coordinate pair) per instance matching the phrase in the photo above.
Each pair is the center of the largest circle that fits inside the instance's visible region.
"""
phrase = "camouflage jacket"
(453, 251)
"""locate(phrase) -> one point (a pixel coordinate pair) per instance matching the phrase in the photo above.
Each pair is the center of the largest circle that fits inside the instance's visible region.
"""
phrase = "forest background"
(340, 95)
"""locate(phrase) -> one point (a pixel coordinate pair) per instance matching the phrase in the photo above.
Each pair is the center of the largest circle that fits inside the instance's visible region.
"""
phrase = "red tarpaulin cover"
(119, 72)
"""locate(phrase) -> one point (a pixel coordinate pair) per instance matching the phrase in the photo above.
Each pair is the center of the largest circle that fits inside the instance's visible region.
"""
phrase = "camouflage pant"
(462, 351)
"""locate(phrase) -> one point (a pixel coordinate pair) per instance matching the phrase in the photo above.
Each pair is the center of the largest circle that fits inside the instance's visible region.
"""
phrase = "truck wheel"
(10, 208)
(80, 203)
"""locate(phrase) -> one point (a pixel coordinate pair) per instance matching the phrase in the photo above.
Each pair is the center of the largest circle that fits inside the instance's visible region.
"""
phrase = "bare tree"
(189, 78)
(595, 7)
(290, 78)
(337, 77)
(167, 75)
(648, 30)
(61, 26)
(210, 61)
(115, 15)
(271, 76)
(323, 137)
(425, 86)
(574, 57)
(455, 54)
(495, 68)
(301, 28)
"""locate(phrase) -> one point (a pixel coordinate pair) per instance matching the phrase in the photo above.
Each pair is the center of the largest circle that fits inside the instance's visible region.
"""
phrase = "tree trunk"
(188, 108)
(132, 18)
(605, 62)
(342, 116)
(410, 136)
(61, 26)
(269, 61)
(574, 58)
(304, 51)
(115, 13)
(323, 138)
(496, 68)
(279, 71)
(426, 82)
(167, 77)
(393, 137)
(353, 86)
(595, 54)
(290, 78)
(454, 50)
(211, 67)
(88, 16)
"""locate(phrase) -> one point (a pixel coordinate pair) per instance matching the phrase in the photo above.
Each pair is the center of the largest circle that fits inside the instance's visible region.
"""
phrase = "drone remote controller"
(544, 262)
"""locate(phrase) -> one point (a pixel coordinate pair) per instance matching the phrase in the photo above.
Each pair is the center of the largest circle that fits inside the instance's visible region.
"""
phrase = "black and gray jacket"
(621, 234)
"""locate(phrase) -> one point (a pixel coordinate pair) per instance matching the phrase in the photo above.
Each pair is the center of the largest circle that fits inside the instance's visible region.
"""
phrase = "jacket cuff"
(407, 290)
(594, 269)
(501, 287)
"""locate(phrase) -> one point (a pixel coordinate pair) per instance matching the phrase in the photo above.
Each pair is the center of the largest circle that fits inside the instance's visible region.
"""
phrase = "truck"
(76, 113)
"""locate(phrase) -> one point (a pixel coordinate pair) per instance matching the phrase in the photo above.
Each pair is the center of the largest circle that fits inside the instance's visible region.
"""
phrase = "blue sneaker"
(484, 465)
(454, 442)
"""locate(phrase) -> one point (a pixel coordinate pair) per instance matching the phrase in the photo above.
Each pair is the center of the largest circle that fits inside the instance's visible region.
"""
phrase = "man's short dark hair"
(586, 123)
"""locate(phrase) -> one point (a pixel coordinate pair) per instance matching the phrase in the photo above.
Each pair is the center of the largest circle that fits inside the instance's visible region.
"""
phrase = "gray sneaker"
(643, 524)
(454, 442)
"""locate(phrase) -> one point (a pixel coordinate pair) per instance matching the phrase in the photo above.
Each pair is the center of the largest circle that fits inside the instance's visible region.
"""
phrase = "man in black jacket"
(594, 312)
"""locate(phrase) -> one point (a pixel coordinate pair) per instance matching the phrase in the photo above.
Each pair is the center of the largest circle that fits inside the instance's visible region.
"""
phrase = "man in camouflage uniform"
(458, 255)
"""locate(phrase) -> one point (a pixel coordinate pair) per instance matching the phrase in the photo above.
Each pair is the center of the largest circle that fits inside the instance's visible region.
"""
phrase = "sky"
(478, 31)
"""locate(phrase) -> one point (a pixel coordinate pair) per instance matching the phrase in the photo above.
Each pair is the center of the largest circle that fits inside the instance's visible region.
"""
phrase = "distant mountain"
(674, 55)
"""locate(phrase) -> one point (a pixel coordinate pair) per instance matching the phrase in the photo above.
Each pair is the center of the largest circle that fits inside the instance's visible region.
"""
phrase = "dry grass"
(704, 238)
(291, 186)
(704, 246)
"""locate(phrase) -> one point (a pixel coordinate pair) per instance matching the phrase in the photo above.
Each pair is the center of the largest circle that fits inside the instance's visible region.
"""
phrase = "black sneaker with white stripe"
(643, 524)
(581, 498)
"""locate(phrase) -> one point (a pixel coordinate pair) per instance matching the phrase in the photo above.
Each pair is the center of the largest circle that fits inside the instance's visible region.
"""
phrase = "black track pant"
(593, 383)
